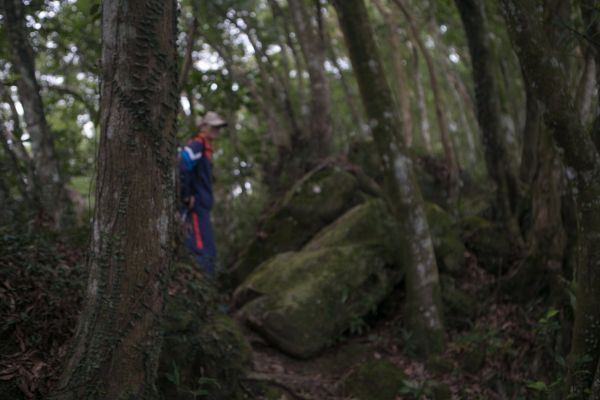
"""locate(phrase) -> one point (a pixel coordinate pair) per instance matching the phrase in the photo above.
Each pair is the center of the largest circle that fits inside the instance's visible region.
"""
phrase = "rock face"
(302, 301)
(446, 237)
(313, 203)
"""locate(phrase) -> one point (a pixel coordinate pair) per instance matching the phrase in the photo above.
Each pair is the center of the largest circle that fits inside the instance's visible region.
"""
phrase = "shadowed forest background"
(407, 199)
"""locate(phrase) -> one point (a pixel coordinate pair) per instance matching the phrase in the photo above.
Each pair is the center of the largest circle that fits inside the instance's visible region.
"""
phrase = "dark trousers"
(200, 239)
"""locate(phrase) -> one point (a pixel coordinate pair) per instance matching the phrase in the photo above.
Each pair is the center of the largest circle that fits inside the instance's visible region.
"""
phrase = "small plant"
(414, 390)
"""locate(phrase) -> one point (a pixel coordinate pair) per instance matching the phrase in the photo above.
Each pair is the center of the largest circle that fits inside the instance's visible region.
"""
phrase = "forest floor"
(491, 357)
(494, 356)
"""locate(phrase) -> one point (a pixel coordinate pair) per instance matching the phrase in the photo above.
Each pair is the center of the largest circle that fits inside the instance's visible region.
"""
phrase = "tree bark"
(498, 163)
(541, 67)
(451, 161)
(355, 108)
(313, 51)
(422, 104)
(187, 56)
(117, 343)
(399, 69)
(53, 196)
(404, 196)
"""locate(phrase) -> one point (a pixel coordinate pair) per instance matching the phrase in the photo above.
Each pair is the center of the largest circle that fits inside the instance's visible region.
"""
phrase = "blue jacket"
(195, 172)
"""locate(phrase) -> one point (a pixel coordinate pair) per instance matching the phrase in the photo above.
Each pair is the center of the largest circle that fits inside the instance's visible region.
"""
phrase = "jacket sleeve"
(188, 160)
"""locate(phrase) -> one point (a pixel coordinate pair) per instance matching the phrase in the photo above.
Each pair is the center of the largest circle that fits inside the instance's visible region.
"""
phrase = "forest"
(300, 199)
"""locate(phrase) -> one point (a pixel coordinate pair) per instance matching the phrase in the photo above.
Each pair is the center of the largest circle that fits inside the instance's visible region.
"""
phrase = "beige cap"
(212, 119)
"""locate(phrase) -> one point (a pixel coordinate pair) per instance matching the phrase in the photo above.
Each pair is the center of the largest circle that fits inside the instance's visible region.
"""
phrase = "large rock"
(204, 352)
(447, 242)
(314, 202)
(488, 241)
(302, 301)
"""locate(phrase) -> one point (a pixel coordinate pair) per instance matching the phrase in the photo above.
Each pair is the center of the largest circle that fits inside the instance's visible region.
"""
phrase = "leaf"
(539, 386)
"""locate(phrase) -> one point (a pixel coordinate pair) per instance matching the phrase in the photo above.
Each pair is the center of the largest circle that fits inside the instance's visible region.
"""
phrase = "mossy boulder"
(370, 222)
(314, 202)
(375, 380)
(446, 237)
(302, 301)
(459, 307)
(488, 241)
(203, 352)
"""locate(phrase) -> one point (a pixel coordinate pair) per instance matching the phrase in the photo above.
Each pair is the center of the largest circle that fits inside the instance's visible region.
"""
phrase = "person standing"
(195, 173)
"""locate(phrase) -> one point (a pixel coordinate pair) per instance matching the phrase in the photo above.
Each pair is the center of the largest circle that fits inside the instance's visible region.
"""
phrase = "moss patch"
(447, 242)
(204, 354)
(302, 301)
(375, 380)
(314, 202)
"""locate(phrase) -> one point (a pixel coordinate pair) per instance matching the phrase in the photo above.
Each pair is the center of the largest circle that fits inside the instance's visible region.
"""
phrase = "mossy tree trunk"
(117, 343)
(404, 196)
(541, 66)
(402, 87)
(499, 165)
(51, 189)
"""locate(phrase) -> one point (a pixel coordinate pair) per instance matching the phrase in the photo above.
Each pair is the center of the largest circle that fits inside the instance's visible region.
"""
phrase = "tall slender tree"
(404, 196)
(314, 51)
(117, 343)
(440, 112)
(51, 190)
(499, 166)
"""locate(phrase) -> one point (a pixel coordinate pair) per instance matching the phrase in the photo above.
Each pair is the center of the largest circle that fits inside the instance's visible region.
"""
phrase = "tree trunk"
(540, 66)
(422, 104)
(52, 192)
(21, 154)
(354, 107)
(404, 196)
(117, 343)
(451, 161)
(400, 72)
(313, 51)
(498, 163)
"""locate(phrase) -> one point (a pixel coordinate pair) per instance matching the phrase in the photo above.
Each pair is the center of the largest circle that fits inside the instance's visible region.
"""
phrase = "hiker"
(195, 174)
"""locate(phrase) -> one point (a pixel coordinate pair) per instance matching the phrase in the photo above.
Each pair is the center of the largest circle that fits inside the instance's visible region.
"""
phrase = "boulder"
(204, 352)
(488, 241)
(302, 301)
(314, 202)
(459, 307)
(447, 242)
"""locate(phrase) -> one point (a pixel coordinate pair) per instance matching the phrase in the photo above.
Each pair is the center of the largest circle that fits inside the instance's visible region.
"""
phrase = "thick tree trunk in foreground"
(117, 344)
(499, 165)
(51, 189)
(547, 76)
(422, 283)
